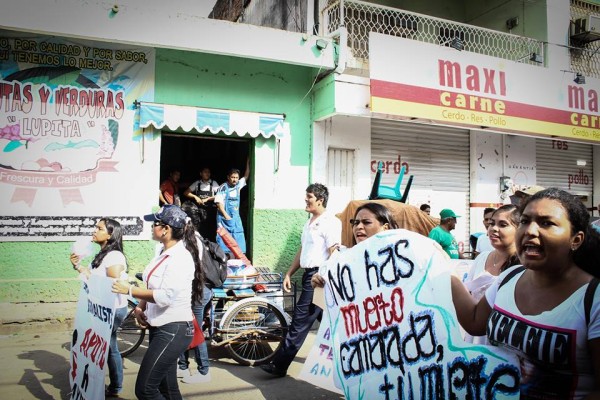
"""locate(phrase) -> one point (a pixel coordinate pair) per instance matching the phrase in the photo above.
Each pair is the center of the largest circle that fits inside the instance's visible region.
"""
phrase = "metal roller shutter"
(437, 156)
(557, 166)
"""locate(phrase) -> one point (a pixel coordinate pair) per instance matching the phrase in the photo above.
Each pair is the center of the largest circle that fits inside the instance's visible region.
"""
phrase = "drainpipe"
(342, 32)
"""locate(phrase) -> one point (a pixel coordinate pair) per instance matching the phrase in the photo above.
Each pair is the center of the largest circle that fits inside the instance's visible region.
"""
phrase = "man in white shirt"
(320, 236)
(202, 193)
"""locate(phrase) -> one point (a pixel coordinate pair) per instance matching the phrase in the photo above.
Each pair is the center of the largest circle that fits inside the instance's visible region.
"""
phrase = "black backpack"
(214, 263)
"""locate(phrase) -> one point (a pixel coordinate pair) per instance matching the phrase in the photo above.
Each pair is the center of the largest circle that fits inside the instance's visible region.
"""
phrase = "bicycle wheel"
(130, 335)
(254, 329)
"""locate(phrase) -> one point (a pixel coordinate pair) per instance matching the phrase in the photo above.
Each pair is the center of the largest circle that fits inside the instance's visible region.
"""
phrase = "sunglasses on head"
(158, 223)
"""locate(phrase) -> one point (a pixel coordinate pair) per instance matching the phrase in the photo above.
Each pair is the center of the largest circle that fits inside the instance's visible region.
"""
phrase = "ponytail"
(191, 244)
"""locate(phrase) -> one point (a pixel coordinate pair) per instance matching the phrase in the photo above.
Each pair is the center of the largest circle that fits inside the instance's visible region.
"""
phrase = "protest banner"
(91, 338)
(318, 368)
(393, 329)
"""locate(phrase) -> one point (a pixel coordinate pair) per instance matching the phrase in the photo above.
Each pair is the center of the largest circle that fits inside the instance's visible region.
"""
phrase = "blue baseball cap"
(170, 215)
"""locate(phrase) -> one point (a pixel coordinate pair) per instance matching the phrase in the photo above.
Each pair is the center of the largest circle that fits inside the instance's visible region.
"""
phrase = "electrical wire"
(311, 86)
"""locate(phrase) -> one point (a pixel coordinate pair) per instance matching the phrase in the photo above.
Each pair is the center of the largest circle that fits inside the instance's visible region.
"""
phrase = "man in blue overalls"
(228, 204)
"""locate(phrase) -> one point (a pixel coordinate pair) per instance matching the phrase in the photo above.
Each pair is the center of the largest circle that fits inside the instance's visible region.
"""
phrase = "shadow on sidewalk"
(45, 363)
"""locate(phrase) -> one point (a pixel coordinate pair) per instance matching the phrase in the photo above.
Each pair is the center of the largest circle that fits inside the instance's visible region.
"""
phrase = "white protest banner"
(91, 338)
(394, 331)
(318, 367)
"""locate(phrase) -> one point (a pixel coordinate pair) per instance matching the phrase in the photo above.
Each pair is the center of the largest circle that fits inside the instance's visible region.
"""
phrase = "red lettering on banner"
(14, 97)
(94, 347)
(577, 98)
(375, 313)
(450, 75)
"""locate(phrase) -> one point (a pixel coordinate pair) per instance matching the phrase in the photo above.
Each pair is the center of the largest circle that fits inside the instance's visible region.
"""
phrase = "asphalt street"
(35, 366)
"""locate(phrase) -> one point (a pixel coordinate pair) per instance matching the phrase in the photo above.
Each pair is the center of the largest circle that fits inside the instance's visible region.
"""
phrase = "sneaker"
(197, 378)
(183, 373)
(110, 394)
(274, 370)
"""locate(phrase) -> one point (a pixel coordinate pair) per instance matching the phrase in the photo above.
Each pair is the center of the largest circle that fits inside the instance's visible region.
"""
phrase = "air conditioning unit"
(586, 29)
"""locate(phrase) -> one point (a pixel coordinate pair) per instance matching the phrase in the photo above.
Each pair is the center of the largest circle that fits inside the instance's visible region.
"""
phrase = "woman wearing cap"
(369, 219)
(547, 312)
(173, 278)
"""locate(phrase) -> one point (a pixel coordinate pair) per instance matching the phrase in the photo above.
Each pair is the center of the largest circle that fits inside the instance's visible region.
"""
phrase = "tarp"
(241, 123)
(406, 216)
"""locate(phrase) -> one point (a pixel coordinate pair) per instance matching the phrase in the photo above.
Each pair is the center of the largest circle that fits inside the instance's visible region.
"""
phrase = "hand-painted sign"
(91, 338)
(67, 123)
(393, 329)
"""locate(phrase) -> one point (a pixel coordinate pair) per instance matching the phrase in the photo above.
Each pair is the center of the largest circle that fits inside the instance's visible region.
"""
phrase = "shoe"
(183, 373)
(197, 378)
(273, 370)
(111, 394)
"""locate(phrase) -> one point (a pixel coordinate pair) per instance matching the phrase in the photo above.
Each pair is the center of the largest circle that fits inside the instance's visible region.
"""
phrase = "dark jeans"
(157, 376)
(201, 351)
(305, 315)
(115, 362)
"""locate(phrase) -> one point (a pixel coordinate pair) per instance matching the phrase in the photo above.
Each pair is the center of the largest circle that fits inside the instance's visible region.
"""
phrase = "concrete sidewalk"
(35, 317)
(34, 343)
(36, 366)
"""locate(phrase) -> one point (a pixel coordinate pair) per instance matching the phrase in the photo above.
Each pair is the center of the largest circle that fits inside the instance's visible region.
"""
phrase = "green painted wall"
(324, 98)
(249, 85)
(198, 79)
(41, 271)
(277, 237)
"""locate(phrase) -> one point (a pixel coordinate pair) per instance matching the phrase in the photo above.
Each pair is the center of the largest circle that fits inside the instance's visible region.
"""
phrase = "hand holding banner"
(393, 329)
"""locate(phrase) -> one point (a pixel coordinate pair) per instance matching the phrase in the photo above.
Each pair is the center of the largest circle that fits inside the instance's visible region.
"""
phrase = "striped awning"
(241, 123)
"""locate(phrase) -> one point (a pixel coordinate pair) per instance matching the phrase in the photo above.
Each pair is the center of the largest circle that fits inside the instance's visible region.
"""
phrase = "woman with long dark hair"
(369, 219)
(173, 279)
(489, 264)
(110, 261)
(548, 311)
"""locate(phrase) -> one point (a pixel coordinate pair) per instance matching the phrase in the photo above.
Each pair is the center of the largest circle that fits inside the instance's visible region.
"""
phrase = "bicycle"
(130, 334)
(250, 327)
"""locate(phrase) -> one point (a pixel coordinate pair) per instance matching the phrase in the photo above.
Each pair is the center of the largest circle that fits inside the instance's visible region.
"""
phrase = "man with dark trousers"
(320, 236)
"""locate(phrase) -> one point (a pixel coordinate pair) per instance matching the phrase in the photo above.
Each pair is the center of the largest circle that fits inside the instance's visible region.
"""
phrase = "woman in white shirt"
(173, 278)
(547, 313)
(111, 262)
(489, 264)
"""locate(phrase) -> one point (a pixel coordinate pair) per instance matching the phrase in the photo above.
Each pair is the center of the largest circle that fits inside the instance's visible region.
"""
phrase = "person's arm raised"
(247, 172)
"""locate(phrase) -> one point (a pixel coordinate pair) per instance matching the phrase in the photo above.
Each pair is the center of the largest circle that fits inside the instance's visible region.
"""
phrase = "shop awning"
(241, 123)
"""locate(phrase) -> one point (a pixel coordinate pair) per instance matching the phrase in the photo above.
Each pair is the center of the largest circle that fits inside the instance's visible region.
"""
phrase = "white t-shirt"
(171, 283)
(111, 258)
(552, 346)
(483, 244)
(233, 192)
(317, 238)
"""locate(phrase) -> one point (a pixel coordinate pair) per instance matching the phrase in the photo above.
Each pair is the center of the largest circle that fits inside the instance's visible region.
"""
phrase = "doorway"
(189, 153)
